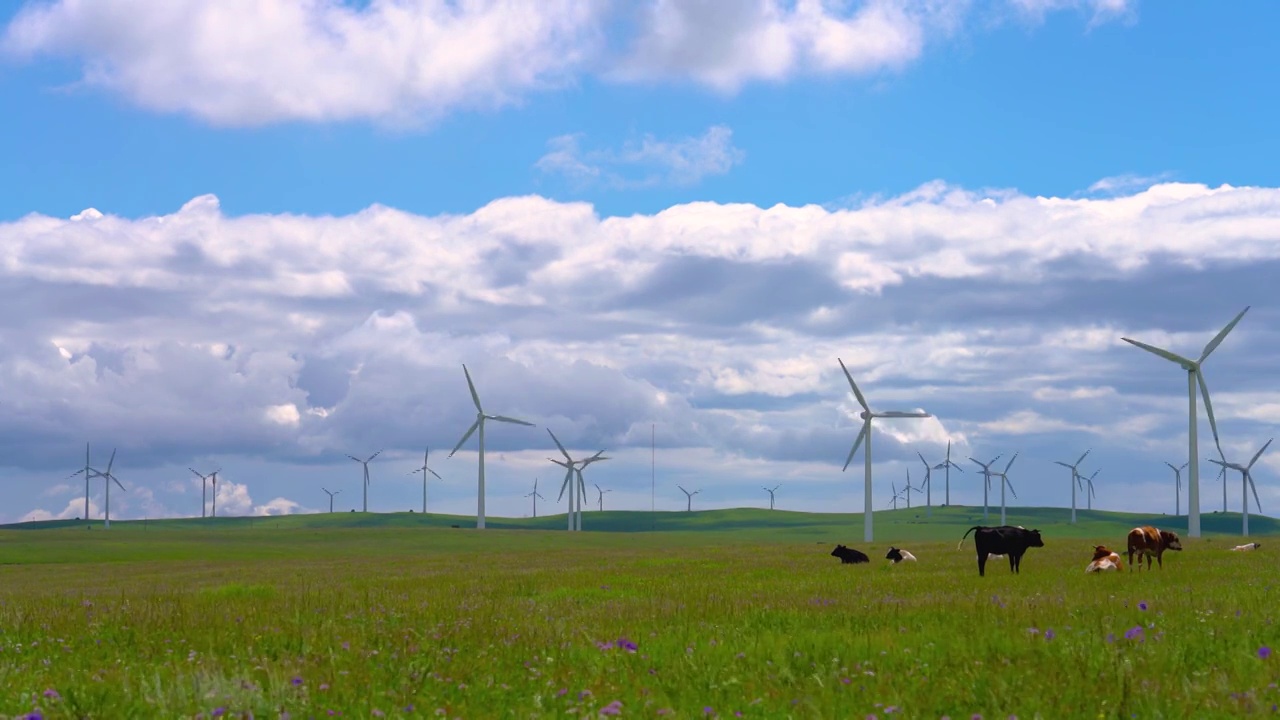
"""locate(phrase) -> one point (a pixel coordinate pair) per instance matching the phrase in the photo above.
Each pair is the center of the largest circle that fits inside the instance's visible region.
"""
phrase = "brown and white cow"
(1104, 560)
(1247, 547)
(1149, 541)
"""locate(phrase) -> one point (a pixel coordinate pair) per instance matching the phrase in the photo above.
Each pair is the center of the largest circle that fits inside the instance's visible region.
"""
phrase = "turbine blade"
(856, 443)
(1059, 462)
(117, 482)
(1006, 467)
(1259, 453)
(353, 457)
(371, 457)
(1175, 469)
(505, 419)
(1256, 502)
(472, 429)
(1219, 462)
(1185, 363)
(433, 472)
(112, 460)
(1011, 490)
(197, 474)
(562, 450)
(1082, 457)
(901, 414)
(1208, 410)
(856, 392)
(78, 472)
(1222, 335)
(472, 387)
(563, 486)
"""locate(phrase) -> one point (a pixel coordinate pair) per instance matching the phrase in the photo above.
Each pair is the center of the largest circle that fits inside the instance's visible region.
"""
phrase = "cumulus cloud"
(250, 62)
(198, 338)
(646, 163)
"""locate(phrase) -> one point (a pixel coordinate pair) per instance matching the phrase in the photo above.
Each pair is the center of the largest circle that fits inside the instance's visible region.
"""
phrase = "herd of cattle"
(1012, 541)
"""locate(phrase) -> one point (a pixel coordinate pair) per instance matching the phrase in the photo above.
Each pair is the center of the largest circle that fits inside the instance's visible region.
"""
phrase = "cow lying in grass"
(1004, 540)
(1247, 547)
(849, 555)
(898, 555)
(1104, 560)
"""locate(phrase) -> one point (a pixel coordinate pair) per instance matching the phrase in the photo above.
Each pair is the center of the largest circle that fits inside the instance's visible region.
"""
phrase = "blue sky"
(673, 212)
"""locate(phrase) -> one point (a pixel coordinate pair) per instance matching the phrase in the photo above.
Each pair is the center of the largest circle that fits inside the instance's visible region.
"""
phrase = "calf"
(1104, 560)
(1004, 540)
(898, 555)
(1150, 541)
(1247, 547)
(849, 555)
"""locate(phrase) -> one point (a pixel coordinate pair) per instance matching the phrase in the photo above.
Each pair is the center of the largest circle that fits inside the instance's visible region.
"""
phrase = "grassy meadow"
(721, 614)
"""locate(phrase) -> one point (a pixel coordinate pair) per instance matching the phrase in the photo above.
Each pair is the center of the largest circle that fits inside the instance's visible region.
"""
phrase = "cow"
(1150, 541)
(849, 555)
(1247, 547)
(1004, 540)
(994, 556)
(1104, 560)
(898, 555)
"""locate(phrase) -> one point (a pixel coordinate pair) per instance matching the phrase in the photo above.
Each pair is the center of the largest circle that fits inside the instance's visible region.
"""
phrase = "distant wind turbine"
(865, 434)
(331, 494)
(946, 465)
(204, 486)
(927, 484)
(1177, 487)
(535, 495)
(602, 493)
(576, 490)
(424, 470)
(365, 463)
(582, 484)
(1004, 482)
(481, 417)
(107, 479)
(986, 482)
(893, 501)
(1195, 375)
(1246, 484)
(771, 491)
(689, 497)
(1088, 485)
(1075, 480)
(89, 474)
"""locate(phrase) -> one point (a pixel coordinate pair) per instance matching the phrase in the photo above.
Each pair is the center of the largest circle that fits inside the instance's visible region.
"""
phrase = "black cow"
(849, 555)
(1004, 540)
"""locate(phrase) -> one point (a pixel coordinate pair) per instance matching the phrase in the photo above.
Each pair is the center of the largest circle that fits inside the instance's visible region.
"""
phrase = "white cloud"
(73, 510)
(646, 163)
(280, 506)
(250, 62)
(59, 489)
(286, 414)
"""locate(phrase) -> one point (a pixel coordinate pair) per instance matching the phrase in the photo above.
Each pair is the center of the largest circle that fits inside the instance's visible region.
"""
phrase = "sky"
(259, 236)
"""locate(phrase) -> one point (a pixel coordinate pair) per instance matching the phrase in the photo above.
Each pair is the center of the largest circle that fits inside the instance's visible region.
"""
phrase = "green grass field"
(720, 613)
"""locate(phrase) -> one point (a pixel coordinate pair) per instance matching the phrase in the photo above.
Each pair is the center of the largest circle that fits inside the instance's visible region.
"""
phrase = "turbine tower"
(1177, 487)
(481, 417)
(947, 465)
(365, 463)
(107, 479)
(1075, 480)
(689, 497)
(331, 494)
(1246, 484)
(865, 433)
(602, 493)
(204, 486)
(771, 491)
(89, 474)
(928, 487)
(424, 470)
(1004, 482)
(1195, 375)
(213, 483)
(535, 495)
(986, 482)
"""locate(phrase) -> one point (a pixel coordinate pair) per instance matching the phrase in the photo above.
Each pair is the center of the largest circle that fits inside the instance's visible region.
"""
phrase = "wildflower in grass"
(626, 644)
(35, 715)
(1048, 634)
(1111, 637)
(891, 709)
(584, 694)
(1142, 605)
(1264, 652)
(613, 708)
(708, 710)
(52, 694)
(562, 692)
(1133, 633)
(218, 712)
(324, 686)
(296, 681)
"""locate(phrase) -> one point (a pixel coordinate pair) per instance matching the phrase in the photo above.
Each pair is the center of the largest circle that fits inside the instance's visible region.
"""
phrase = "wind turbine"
(365, 463)
(479, 425)
(1088, 483)
(689, 497)
(107, 479)
(582, 484)
(213, 482)
(893, 501)
(331, 494)
(986, 482)
(204, 486)
(424, 470)
(1004, 482)
(1075, 480)
(947, 465)
(1246, 484)
(909, 489)
(1194, 376)
(575, 493)
(771, 492)
(89, 474)
(535, 495)
(865, 433)
(602, 494)
(1177, 487)
(928, 487)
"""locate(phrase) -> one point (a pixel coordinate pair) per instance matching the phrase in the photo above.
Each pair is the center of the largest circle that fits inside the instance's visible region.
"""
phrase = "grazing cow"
(1247, 547)
(1004, 540)
(849, 555)
(898, 555)
(1104, 560)
(1149, 541)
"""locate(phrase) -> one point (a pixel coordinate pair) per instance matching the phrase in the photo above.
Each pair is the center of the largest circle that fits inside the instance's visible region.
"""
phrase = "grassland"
(716, 616)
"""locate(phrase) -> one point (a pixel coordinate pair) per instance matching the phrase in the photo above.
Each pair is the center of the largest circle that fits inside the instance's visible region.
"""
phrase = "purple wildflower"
(324, 686)
(218, 712)
(613, 708)
(708, 710)
(52, 694)
(891, 709)
(626, 644)
(1264, 652)
(1142, 605)
(35, 715)
(1048, 635)
(562, 692)
(1111, 637)
(1133, 633)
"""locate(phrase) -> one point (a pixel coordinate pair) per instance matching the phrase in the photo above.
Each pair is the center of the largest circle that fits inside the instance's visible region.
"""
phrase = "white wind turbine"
(89, 474)
(1088, 484)
(1195, 375)
(1246, 484)
(893, 501)
(771, 491)
(365, 463)
(865, 434)
(535, 495)
(602, 493)
(424, 470)
(946, 465)
(576, 490)
(204, 486)
(909, 489)
(1004, 482)
(107, 479)
(1075, 480)
(986, 482)
(928, 487)
(582, 484)
(481, 417)
(331, 494)
(689, 497)
(1177, 487)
